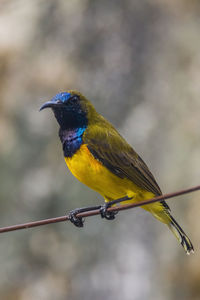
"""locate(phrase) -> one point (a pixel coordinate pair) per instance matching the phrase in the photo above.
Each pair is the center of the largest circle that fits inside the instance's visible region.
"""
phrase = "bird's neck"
(72, 127)
(71, 140)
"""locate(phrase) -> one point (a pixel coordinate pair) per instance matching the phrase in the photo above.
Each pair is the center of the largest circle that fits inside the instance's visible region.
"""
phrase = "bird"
(98, 156)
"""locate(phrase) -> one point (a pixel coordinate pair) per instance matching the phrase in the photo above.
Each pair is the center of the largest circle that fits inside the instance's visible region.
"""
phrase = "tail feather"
(180, 235)
(161, 212)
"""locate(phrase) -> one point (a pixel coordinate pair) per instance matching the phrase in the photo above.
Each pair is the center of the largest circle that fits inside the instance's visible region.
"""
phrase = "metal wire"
(97, 212)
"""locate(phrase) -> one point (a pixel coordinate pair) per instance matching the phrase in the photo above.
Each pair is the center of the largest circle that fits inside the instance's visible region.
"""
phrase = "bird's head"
(70, 108)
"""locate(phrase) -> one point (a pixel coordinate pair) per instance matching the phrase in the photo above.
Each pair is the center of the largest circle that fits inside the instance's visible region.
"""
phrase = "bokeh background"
(139, 63)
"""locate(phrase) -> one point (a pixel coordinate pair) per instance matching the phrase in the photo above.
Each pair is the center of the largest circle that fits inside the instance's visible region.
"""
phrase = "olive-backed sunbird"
(98, 156)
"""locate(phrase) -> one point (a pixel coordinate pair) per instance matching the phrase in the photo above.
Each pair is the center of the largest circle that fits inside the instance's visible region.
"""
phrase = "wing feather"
(109, 147)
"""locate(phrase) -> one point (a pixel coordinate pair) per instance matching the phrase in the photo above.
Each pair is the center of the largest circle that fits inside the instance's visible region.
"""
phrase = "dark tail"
(180, 235)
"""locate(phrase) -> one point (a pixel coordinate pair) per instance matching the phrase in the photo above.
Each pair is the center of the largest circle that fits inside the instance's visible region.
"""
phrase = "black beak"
(51, 104)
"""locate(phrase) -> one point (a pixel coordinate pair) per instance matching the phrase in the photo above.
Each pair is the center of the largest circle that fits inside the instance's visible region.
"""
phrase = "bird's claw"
(108, 215)
(77, 221)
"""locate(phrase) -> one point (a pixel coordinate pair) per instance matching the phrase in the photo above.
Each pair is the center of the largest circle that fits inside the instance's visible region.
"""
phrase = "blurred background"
(138, 61)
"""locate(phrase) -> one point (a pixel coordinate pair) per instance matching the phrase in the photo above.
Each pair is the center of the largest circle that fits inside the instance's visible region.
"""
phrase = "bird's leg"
(110, 215)
(79, 221)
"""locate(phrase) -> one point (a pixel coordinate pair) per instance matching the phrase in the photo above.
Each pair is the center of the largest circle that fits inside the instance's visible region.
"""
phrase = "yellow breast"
(91, 172)
(83, 165)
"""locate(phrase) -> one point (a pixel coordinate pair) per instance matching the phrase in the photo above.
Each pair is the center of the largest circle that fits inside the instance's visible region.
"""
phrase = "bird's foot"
(108, 215)
(77, 221)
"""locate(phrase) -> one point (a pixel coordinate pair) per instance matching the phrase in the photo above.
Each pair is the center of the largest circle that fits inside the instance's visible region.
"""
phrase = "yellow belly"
(91, 172)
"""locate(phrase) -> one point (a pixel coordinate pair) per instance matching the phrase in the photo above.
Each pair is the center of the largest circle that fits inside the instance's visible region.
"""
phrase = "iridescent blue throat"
(71, 140)
(72, 126)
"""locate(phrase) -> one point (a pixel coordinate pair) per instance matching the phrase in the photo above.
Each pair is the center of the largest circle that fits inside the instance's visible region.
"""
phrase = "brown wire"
(97, 212)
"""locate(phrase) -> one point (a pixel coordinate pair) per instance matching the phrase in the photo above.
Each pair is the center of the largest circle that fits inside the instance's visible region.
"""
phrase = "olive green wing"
(108, 146)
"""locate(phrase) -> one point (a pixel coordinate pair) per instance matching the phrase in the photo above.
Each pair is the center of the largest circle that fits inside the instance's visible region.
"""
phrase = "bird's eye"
(73, 100)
